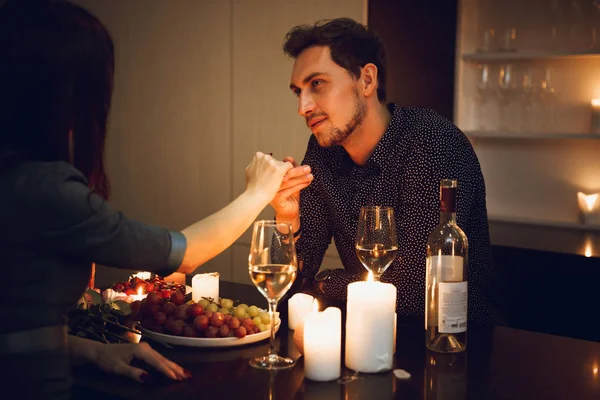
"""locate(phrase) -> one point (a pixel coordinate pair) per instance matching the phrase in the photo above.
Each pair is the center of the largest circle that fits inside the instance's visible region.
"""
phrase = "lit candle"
(595, 125)
(140, 295)
(323, 344)
(299, 306)
(589, 208)
(370, 326)
(205, 285)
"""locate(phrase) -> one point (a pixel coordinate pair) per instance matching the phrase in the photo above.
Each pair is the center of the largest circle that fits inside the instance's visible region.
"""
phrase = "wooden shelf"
(545, 223)
(531, 135)
(524, 56)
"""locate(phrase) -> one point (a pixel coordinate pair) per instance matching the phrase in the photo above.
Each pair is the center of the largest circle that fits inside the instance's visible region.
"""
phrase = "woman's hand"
(116, 359)
(264, 175)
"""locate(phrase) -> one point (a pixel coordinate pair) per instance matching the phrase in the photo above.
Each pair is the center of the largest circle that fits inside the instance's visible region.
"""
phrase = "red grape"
(160, 318)
(240, 332)
(201, 323)
(217, 319)
(224, 330)
(169, 309)
(181, 312)
(177, 298)
(194, 310)
(234, 323)
(189, 331)
(212, 332)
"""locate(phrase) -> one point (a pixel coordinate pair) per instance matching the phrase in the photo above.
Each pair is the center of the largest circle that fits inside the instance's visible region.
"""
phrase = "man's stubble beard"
(337, 136)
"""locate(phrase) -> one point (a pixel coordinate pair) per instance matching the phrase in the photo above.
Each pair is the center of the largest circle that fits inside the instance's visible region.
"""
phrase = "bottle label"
(452, 316)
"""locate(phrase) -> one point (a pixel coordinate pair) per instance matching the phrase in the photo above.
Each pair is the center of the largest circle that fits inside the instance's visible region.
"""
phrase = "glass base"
(272, 362)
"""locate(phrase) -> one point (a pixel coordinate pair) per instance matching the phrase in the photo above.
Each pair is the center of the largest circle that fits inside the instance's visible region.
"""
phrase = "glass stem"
(272, 309)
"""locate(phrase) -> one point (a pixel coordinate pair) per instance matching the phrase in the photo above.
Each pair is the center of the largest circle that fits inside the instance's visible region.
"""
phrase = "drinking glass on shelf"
(376, 239)
(484, 93)
(506, 91)
(273, 267)
(527, 97)
(509, 39)
(547, 99)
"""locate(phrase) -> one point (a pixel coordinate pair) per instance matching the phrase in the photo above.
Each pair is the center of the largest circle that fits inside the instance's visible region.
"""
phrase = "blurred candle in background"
(205, 285)
(589, 208)
(595, 125)
(299, 306)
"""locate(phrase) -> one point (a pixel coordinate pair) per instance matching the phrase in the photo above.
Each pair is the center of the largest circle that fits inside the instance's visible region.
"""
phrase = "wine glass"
(376, 241)
(272, 265)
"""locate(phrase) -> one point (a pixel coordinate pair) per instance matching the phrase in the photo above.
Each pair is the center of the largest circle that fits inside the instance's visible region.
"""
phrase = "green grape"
(265, 317)
(239, 312)
(262, 327)
(204, 303)
(212, 307)
(253, 311)
(227, 303)
(244, 306)
(257, 320)
(224, 310)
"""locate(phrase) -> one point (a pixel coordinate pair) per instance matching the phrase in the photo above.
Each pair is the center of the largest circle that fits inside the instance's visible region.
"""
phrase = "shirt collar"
(381, 156)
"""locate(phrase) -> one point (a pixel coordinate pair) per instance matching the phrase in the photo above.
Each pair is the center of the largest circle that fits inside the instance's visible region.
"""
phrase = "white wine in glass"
(376, 239)
(273, 266)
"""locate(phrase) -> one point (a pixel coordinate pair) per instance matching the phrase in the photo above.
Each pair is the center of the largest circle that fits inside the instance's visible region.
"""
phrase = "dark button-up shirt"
(418, 149)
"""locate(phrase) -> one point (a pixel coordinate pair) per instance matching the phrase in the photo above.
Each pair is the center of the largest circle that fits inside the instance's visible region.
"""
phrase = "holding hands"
(286, 202)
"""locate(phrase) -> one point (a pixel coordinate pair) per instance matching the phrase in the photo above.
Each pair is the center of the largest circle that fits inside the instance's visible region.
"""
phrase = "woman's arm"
(210, 236)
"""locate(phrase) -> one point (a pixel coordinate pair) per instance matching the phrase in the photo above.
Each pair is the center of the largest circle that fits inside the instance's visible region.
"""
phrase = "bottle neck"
(447, 217)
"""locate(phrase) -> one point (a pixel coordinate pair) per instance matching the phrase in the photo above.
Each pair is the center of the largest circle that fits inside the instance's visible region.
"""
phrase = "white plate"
(210, 342)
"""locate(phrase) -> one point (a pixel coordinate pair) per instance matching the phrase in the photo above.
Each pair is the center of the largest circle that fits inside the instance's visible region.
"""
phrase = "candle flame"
(370, 277)
(315, 305)
(596, 102)
(140, 291)
(588, 201)
(595, 370)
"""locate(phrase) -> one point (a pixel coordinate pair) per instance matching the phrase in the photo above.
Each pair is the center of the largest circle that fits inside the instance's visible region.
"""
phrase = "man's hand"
(287, 200)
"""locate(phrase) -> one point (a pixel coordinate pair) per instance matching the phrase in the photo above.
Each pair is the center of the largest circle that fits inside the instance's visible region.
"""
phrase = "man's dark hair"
(352, 46)
(56, 77)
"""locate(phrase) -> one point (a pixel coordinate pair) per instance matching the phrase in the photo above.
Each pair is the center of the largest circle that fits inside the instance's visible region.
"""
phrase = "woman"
(56, 78)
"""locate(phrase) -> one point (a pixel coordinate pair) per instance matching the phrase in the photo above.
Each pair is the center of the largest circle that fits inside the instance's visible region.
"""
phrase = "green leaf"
(124, 306)
(96, 297)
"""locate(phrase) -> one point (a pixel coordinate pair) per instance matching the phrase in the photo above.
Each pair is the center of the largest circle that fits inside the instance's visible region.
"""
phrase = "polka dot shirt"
(418, 149)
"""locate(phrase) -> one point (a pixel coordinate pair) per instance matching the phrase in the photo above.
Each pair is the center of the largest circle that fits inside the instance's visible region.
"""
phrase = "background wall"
(200, 86)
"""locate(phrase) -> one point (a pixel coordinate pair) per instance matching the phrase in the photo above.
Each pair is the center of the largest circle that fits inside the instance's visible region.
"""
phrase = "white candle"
(205, 285)
(145, 275)
(323, 344)
(370, 326)
(595, 125)
(299, 306)
(589, 208)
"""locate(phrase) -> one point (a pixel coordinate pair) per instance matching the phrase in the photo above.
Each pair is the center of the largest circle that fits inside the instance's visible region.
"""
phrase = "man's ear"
(368, 78)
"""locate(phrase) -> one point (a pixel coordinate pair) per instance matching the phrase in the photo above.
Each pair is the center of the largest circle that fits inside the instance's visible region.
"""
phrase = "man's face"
(328, 96)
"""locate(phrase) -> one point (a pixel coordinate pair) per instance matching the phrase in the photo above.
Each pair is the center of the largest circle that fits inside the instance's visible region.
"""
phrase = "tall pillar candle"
(370, 331)
(299, 306)
(205, 285)
(323, 344)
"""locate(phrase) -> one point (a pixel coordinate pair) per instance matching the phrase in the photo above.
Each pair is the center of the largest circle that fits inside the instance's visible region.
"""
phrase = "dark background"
(540, 289)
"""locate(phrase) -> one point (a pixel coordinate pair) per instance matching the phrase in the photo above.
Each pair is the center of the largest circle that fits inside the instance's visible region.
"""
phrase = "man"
(365, 152)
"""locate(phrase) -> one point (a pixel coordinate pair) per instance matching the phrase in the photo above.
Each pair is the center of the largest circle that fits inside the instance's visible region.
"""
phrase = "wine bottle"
(446, 278)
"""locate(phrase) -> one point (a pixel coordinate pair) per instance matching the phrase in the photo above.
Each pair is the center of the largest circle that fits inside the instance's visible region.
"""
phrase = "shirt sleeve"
(75, 223)
(316, 226)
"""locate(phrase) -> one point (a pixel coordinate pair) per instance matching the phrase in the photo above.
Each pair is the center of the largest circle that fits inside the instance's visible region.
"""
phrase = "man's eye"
(316, 82)
(297, 92)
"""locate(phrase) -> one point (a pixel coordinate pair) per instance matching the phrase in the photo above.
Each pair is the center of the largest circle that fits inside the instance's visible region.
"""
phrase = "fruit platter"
(165, 313)
(206, 323)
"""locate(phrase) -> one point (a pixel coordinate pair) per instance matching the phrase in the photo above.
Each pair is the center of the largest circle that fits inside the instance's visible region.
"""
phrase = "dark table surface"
(500, 363)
